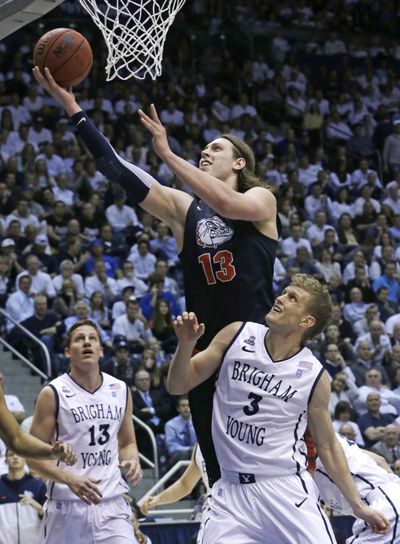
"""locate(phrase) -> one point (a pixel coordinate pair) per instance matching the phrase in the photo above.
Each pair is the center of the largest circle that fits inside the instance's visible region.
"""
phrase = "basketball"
(66, 53)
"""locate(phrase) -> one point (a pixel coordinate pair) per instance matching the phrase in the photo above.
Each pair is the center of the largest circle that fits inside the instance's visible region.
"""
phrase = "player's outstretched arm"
(185, 371)
(169, 205)
(26, 445)
(175, 492)
(333, 458)
(127, 446)
(43, 428)
(257, 204)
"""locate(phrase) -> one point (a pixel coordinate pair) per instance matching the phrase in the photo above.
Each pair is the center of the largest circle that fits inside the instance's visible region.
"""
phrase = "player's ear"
(67, 353)
(239, 164)
(307, 322)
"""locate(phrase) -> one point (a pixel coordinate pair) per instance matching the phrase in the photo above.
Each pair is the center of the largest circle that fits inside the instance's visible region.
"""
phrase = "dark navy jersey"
(228, 269)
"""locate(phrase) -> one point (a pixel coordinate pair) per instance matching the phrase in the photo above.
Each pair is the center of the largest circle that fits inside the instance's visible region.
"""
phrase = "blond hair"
(319, 304)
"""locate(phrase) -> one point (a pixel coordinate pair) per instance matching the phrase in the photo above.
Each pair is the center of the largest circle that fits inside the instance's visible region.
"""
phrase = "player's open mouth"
(87, 352)
(204, 163)
(276, 309)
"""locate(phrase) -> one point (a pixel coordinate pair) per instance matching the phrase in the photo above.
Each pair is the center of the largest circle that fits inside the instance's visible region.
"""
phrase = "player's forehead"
(219, 142)
(291, 289)
(84, 331)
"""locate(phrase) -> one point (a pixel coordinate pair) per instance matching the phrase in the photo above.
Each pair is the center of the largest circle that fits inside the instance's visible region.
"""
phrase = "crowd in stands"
(321, 110)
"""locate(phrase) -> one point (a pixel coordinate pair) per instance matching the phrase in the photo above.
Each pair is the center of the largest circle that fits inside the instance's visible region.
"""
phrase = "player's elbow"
(176, 387)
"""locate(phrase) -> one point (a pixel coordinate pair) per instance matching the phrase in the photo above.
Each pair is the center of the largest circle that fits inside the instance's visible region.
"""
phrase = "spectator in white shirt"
(337, 129)
(41, 281)
(22, 215)
(19, 304)
(334, 46)
(20, 113)
(392, 200)
(37, 134)
(120, 216)
(290, 245)
(315, 202)
(101, 282)
(316, 232)
(373, 384)
(360, 176)
(243, 108)
(61, 191)
(33, 102)
(143, 261)
(171, 116)
(55, 164)
(349, 272)
(131, 326)
(97, 180)
(67, 273)
(377, 339)
(221, 110)
(308, 173)
(129, 279)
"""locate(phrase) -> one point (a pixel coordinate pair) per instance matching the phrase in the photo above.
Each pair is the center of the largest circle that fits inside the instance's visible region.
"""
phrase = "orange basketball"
(66, 53)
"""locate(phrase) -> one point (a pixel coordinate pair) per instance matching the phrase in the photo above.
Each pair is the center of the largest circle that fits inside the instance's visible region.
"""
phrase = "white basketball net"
(135, 32)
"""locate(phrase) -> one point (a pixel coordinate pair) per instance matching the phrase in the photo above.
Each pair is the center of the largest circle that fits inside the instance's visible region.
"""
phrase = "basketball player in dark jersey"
(227, 239)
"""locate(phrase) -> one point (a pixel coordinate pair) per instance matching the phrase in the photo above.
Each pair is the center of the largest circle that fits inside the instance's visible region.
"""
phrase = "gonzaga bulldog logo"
(212, 232)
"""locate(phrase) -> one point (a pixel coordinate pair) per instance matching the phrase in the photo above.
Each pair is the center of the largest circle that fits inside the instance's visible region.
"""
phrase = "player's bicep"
(256, 204)
(205, 363)
(169, 205)
(44, 417)
(319, 419)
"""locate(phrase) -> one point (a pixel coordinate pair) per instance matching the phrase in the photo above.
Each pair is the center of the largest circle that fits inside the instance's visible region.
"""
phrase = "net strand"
(135, 33)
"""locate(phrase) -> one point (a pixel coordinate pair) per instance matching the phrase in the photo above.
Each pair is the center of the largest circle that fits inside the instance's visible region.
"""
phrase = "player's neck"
(90, 381)
(280, 346)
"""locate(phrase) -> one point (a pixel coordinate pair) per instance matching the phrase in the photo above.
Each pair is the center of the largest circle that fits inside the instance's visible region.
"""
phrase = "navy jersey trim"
(294, 449)
(57, 399)
(315, 384)
(396, 515)
(279, 360)
(83, 388)
(329, 533)
(228, 347)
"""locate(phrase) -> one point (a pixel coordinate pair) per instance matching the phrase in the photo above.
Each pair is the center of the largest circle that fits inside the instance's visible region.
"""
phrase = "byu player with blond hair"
(93, 411)
(268, 387)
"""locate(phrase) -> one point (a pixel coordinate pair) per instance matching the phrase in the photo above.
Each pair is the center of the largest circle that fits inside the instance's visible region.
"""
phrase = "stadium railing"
(34, 339)
(148, 462)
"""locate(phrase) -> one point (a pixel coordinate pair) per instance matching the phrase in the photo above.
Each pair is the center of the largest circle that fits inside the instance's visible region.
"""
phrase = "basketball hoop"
(135, 32)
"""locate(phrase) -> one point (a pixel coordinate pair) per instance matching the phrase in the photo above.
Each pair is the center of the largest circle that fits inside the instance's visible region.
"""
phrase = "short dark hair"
(81, 323)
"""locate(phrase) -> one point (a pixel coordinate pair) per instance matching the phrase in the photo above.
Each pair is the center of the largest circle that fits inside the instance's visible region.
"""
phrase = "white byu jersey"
(367, 475)
(90, 422)
(260, 406)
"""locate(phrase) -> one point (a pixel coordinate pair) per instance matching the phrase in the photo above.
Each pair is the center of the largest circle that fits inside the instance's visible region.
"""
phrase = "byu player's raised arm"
(186, 371)
(333, 458)
(127, 446)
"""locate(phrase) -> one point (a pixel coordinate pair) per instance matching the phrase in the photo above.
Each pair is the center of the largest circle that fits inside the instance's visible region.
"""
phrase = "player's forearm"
(177, 491)
(213, 191)
(28, 446)
(179, 380)
(49, 471)
(129, 452)
(335, 463)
